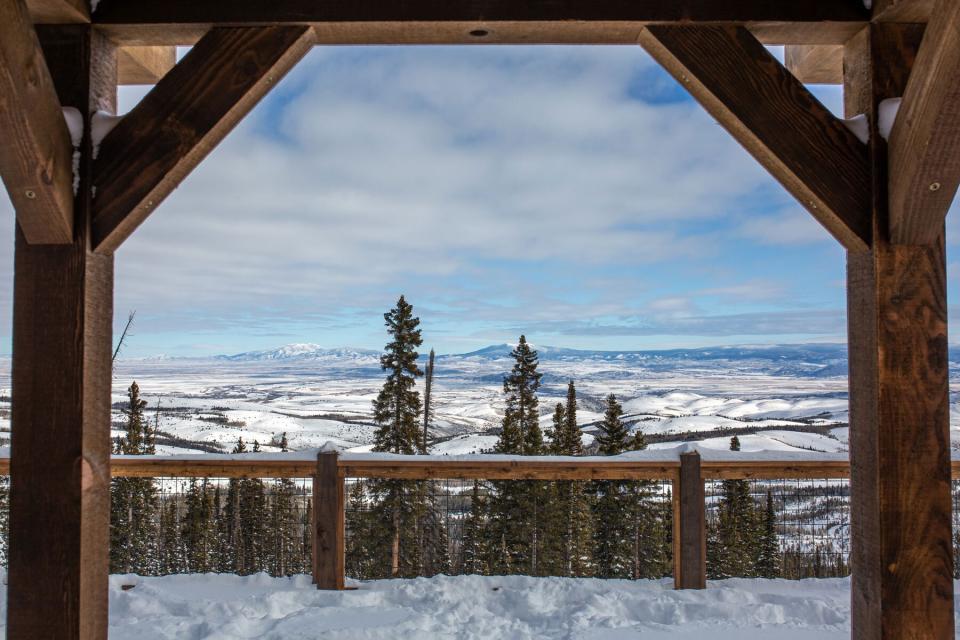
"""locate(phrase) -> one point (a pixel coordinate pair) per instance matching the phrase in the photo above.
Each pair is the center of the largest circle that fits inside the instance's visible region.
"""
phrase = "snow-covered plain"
(774, 398)
(227, 607)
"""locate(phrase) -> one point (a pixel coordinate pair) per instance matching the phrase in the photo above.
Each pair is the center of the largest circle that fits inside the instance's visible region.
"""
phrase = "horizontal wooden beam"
(815, 64)
(924, 146)
(183, 118)
(59, 11)
(808, 150)
(902, 10)
(36, 154)
(179, 467)
(144, 65)
(476, 21)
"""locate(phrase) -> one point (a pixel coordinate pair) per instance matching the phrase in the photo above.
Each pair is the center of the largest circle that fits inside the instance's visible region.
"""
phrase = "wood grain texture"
(328, 505)
(60, 470)
(902, 11)
(809, 151)
(900, 517)
(36, 157)
(815, 64)
(183, 118)
(144, 65)
(692, 532)
(59, 11)
(451, 21)
(924, 148)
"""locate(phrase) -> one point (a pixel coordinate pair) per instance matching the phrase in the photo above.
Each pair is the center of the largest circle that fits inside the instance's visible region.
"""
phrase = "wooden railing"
(683, 468)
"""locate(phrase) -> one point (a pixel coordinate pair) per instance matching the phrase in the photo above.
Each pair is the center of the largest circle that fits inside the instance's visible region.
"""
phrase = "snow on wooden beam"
(144, 65)
(478, 21)
(36, 156)
(815, 64)
(924, 147)
(809, 151)
(183, 118)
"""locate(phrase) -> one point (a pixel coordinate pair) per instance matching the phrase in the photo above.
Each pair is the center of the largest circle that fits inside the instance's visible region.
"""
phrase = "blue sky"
(575, 194)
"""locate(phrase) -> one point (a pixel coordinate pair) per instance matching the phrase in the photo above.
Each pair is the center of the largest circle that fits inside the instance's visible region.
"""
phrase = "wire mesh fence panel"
(165, 525)
(410, 528)
(788, 528)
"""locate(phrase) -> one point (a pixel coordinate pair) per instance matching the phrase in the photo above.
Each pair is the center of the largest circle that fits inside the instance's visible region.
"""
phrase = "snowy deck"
(221, 607)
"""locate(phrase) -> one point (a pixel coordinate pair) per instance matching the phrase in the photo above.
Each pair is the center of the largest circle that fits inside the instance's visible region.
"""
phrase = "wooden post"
(689, 525)
(328, 530)
(62, 332)
(901, 557)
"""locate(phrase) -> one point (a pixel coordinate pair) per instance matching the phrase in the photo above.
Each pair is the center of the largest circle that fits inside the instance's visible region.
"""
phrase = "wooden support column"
(689, 525)
(328, 529)
(62, 331)
(900, 518)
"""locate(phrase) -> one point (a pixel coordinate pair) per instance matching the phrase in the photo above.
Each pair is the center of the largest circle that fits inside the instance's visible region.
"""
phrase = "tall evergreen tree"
(732, 544)
(768, 556)
(134, 516)
(516, 522)
(173, 557)
(198, 529)
(473, 552)
(568, 535)
(400, 507)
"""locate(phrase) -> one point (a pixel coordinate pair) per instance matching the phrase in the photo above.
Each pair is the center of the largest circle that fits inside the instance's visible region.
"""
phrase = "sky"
(574, 194)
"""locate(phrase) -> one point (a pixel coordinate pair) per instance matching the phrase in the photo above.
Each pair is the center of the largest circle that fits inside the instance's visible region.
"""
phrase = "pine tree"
(4, 519)
(768, 557)
(732, 545)
(568, 531)
(401, 508)
(173, 557)
(473, 552)
(134, 518)
(198, 530)
(515, 530)
(230, 554)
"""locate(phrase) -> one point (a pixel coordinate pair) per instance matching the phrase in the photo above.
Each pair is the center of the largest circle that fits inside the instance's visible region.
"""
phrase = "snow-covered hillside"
(771, 397)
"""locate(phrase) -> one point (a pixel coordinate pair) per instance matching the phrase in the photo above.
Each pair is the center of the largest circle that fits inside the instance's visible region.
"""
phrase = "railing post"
(328, 523)
(689, 525)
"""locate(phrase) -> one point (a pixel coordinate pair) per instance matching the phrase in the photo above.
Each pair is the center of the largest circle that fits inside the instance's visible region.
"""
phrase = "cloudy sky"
(575, 194)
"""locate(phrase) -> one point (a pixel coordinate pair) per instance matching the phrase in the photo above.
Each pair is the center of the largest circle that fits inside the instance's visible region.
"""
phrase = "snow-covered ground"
(227, 607)
(774, 398)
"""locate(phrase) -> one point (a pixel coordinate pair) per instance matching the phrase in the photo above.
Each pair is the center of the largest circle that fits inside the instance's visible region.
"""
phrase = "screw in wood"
(31, 194)
(934, 186)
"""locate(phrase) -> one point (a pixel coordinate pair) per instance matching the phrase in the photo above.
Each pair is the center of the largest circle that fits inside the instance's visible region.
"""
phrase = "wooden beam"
(902, 11)
(461, 21)
(59, 11)
(815, 64)
(36, 156)
(183, 118)
(809, 151)
(328, 509)
(144, 65)
(924, 149)
(62, 324)
(690, 525)
(900, 511)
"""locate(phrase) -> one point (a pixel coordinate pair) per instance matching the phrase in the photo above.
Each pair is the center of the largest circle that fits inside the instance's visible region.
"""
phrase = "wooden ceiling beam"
(480, 21)
(924, 146)
(903, 11)
(36, 156)
(144, 65)
(59, 11)
(768, 111)
(815, 64)
(183, 118)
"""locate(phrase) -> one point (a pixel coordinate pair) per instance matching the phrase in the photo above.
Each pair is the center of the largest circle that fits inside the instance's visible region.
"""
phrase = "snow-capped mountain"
(303, 351)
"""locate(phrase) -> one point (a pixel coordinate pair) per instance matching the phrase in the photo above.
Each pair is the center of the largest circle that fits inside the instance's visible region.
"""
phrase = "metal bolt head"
(934, 186)
(31, 194)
